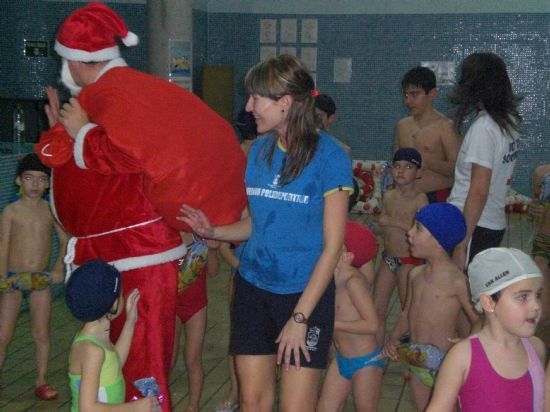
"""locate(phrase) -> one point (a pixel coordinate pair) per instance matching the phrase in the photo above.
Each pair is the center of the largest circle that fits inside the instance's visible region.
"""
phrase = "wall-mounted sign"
(445, 71)
(181, 59)
(37, 48)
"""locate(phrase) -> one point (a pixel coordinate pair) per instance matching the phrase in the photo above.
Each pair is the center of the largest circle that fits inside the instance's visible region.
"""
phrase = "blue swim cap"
(409, 154)
(445, 222)
(92, 290)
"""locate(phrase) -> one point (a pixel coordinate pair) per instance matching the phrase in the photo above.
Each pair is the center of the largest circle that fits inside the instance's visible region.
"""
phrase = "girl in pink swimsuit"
(500, 368)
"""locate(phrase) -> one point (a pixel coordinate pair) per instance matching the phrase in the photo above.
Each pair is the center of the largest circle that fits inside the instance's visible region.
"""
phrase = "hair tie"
(315, 92)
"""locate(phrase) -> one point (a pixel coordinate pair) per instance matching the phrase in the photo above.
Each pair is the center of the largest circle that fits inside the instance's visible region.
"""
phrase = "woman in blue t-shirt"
(298, 181)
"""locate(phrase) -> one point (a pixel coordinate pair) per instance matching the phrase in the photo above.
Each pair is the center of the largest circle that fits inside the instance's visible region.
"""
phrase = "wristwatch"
(299, 317)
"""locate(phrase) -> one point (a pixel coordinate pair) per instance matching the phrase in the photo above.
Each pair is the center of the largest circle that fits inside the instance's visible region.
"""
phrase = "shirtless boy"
(399, 207)
(539, 209)
(357, 367)
(430, 132)
(25, 246)
(436, 293)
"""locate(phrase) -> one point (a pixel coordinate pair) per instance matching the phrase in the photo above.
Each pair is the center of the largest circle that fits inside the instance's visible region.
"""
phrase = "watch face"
(299, 317)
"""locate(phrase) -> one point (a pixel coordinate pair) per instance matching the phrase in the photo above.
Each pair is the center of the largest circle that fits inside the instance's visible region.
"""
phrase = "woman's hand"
(292, 340)
(197, 221)
(131, 306)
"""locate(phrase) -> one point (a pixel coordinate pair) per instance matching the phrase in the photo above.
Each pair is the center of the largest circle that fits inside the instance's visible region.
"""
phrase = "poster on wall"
(287, 50)
(309, 31)
(268, 30)
(309, 57)
(267, 52)
(445, 71)
(288, 30)
(342, 70)
(180, 63)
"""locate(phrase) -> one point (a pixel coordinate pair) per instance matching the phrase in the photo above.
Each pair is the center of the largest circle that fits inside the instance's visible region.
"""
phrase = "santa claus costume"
(149, 147)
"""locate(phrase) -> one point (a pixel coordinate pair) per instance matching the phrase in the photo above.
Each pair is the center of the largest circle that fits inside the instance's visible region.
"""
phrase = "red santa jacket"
(150, 147)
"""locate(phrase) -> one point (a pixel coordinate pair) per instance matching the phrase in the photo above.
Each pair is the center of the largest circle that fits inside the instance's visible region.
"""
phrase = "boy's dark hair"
(31, 162)
(420, 77)
(247, 125)
(484, 84)
(325, 103)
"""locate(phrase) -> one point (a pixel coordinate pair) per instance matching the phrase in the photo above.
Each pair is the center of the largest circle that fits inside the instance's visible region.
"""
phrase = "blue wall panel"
(384, 47)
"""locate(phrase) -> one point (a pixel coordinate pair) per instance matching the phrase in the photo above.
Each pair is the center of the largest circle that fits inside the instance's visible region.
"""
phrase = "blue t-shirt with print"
(287, 221)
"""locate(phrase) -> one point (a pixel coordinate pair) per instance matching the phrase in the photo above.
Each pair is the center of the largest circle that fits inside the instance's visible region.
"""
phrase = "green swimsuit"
(111, 381)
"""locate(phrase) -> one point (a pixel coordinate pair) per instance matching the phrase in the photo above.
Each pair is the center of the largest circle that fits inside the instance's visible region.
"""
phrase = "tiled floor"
(18, 376)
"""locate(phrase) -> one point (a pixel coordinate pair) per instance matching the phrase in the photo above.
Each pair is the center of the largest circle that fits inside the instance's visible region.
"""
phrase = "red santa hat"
(90, 34)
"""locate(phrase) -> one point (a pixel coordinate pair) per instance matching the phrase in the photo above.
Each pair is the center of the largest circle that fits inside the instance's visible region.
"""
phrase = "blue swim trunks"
(348, 366)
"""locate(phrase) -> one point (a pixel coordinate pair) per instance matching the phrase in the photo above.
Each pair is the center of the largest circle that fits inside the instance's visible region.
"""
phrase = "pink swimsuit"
(485, 390)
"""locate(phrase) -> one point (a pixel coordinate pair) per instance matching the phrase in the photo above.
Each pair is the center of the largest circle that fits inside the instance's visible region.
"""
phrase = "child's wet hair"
(31, 162)
(421, 77)
(326, 104)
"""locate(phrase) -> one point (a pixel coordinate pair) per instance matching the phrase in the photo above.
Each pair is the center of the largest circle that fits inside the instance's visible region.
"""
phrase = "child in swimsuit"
(539, 209)
(93, 296)
(358, 364)
(25, 247)
(500, 368)
(436, 293)
(398, 209)
(430, 132)
(201, 260)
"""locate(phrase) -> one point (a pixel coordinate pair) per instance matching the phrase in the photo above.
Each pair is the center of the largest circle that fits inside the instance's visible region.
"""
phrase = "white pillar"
(167, 19)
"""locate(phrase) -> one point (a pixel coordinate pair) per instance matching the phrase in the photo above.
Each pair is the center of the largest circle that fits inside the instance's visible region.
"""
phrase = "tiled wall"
(24, 77)
(384, 47)
(200, 47)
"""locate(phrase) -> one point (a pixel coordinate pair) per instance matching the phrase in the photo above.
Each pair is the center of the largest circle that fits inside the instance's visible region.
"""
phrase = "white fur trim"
(150, 260)
(130, 40)
(68, 80)
(129, 263)
(85, 56)
(43, 151)
(138, 262)
(78, 150)
(52, 199)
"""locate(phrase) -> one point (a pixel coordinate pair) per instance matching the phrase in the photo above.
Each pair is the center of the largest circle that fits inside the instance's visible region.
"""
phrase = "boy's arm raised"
(360, 297)
(450, 378)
